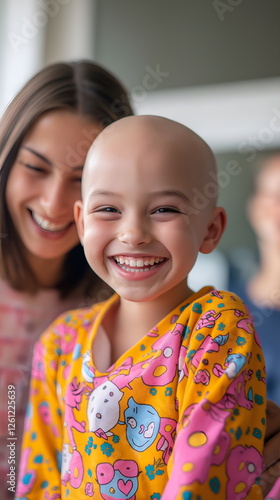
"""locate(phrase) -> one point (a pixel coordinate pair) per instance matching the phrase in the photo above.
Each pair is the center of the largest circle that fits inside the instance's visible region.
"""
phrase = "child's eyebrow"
(172, 192)
(169, 192)
(102, 192)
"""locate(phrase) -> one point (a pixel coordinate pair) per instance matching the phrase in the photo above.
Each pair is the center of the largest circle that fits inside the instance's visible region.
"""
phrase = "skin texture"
(43, 185)
(138, 206)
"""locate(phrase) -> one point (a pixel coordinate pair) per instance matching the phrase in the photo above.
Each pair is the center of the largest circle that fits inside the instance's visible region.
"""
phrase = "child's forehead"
(133, 159)
(147, 138)
(151, 142)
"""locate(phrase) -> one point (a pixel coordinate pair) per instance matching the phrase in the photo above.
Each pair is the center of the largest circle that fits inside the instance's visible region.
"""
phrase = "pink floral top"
(22, 319)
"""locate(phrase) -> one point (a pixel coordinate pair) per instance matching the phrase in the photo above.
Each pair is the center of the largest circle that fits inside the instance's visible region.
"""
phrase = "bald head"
(151, 138)
(154, 128)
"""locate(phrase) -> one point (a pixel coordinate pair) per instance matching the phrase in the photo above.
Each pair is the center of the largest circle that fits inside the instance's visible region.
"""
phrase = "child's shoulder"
(209, 297)
(217, 311)
(77, 315)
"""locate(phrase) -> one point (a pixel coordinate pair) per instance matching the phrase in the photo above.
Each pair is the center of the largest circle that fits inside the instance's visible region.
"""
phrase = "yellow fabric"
(197, 378)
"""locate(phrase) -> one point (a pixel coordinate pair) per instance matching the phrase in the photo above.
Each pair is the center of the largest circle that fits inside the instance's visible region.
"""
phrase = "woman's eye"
(33, 167)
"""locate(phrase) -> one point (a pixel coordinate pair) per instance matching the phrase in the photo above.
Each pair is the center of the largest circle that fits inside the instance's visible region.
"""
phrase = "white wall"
(22, 44)
(39, 32)
(235, 116)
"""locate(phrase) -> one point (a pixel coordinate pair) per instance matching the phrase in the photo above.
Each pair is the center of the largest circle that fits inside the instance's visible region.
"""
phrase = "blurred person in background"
(261, 289)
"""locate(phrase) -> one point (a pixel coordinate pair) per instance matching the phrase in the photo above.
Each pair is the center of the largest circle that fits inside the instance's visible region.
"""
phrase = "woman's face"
(44, 183)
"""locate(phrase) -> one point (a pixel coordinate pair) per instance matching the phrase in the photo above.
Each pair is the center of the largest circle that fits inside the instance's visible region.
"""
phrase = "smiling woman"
(80, 99)
(46, 132)
(42, 188)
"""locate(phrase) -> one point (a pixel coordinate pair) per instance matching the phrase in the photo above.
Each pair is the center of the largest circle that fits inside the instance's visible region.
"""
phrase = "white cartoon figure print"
(103, 411)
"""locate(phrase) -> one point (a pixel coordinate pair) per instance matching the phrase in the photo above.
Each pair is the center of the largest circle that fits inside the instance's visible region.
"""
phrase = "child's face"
(138, 226)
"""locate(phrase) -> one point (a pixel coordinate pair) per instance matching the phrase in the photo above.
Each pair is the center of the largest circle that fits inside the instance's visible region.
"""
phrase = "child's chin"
(136, 296)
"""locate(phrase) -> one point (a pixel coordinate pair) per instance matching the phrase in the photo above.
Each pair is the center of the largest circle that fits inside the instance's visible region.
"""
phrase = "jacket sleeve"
(222, 400)
(40, 460)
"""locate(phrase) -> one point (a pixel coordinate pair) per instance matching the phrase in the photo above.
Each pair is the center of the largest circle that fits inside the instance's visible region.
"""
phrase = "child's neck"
(129, 321)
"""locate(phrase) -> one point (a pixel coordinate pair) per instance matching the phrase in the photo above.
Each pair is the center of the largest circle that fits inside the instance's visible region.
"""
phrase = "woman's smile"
(48, 225)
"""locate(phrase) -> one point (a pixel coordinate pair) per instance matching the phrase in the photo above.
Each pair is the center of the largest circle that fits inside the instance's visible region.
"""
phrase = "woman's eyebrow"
(45, 159)
(42, 157)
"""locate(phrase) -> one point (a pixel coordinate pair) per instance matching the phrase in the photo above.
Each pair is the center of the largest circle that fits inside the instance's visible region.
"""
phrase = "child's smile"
(137, 267)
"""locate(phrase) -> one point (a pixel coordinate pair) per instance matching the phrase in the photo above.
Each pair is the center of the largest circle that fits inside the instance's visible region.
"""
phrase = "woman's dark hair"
(79, 86)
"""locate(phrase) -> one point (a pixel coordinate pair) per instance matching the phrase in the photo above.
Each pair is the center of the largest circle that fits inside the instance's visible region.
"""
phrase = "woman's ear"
(215, 230)
(79, 219)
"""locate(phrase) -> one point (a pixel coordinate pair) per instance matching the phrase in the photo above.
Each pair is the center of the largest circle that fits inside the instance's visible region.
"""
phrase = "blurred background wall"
(213, 65)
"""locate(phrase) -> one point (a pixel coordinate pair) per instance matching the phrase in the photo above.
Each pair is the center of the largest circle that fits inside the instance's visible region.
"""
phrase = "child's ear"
(215, 230)
(79, 219)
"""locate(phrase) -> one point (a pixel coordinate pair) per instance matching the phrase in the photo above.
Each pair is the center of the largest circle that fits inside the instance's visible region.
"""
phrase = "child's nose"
(134, 232)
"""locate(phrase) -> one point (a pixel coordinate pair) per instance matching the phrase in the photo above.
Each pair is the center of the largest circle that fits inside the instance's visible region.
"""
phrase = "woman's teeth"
(46, 224)
(138, 265)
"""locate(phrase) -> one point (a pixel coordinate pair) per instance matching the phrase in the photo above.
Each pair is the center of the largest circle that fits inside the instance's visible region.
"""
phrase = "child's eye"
(106, 210)
(162, 210)
(106, 213)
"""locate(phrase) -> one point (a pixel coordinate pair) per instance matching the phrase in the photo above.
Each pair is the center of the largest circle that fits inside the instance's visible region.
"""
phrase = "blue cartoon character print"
(143, 423)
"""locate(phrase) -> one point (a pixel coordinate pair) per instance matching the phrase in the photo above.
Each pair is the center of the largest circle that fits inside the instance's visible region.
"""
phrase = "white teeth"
(47, 225)
(134, 265)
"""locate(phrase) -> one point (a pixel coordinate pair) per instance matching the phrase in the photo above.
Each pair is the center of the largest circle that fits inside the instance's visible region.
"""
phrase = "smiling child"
(159, 392)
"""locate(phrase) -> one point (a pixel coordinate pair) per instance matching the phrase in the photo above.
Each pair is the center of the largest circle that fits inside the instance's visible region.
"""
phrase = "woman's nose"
(56, 199)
